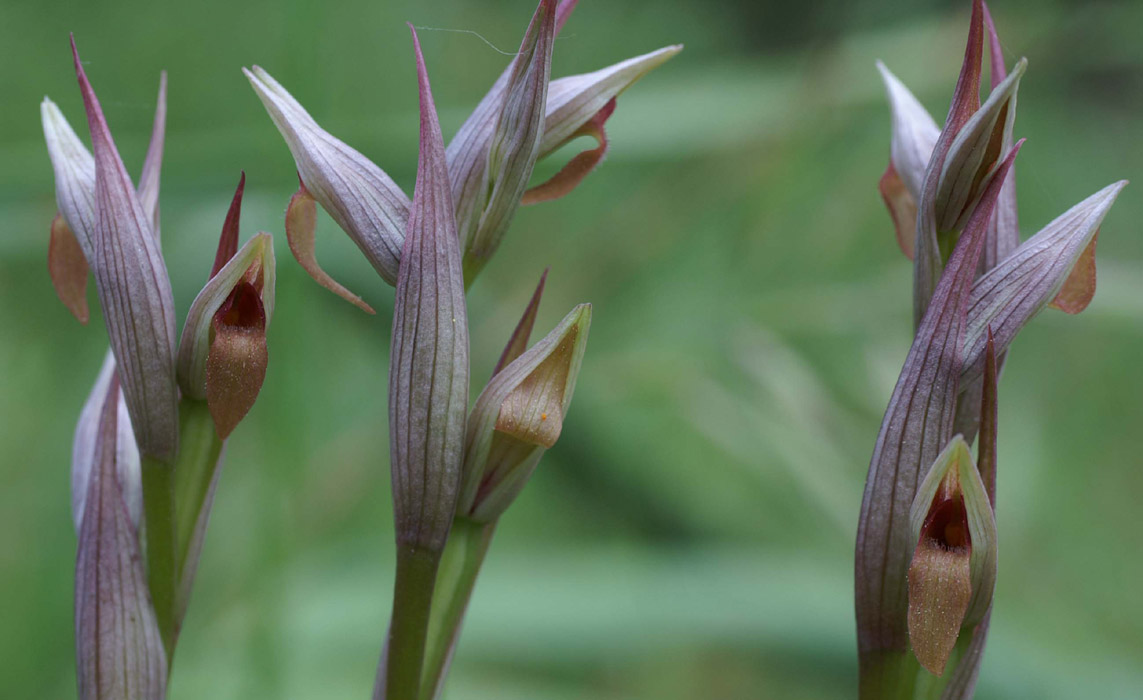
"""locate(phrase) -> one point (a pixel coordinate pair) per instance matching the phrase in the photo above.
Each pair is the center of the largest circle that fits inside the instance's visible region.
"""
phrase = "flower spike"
(575, 106)
(134, 291)
(917, 425)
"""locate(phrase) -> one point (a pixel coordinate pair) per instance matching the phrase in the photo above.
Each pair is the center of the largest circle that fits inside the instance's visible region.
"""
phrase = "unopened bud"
(518, 416)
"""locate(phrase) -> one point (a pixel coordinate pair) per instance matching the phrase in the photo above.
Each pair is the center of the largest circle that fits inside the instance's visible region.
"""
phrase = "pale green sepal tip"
(961, 183)
(573, 100)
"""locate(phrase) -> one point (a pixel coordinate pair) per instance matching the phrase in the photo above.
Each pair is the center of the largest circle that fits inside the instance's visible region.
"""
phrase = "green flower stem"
(898, 676)
(162, 573)
(412, 602)
(460, 565)
(195, 470)
(173, 498)
(472, 266)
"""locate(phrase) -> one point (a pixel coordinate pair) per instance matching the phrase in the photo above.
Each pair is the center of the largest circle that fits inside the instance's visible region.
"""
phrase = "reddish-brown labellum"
(902, 207)
(1079, 287)
(236, 363)
(301, 220)
(940, 578)
(68, 269)
(579, 167)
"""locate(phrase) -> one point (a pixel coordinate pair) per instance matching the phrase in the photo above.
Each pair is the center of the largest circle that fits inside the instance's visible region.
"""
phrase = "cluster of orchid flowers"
(150, 437)
(926, 554)
(147, 448)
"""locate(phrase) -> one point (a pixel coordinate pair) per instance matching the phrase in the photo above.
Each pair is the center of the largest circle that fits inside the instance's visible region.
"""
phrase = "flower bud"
(70, 247)
(574, 106)
(483, 215)
(975, 154)
(952, 574)
(134, 291)
(518, 416)
(119, 653)
(918, 423)
(929, 256)
(428, 363)
(1004, 230)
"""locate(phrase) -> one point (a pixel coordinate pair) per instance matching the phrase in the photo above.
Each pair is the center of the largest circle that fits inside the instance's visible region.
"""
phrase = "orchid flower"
(451, 482)
(926, 542)
(148, 442)
(453, 473)
(525, 116)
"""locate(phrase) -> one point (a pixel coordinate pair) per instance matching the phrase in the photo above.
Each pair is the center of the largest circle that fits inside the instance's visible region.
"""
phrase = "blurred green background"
(691, 535)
